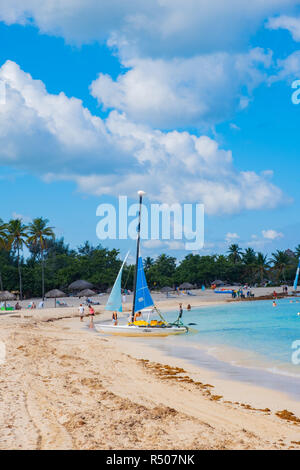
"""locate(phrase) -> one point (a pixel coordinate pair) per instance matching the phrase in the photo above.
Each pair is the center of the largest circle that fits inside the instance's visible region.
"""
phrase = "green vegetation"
(53, 264)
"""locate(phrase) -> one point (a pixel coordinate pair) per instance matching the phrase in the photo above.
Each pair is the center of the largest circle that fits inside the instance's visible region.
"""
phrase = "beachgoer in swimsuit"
(115, 318)
(81, 312)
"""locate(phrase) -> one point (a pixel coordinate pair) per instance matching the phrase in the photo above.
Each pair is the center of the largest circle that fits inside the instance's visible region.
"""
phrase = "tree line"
(53, 264)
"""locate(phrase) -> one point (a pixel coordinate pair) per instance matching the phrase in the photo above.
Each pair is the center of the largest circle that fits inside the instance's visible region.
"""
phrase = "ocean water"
(247, 341)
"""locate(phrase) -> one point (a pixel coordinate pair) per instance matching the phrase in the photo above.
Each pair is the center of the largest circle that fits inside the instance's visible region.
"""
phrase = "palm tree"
(249, 261)
(280, 262)
(249, 257)
(38, 234)
(148, 262)
(235, 253)
(17, 238)
(262, 264)
(3, 244)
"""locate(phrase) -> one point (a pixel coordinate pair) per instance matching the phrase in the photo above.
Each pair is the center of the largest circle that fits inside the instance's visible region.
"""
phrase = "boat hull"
(125, 330)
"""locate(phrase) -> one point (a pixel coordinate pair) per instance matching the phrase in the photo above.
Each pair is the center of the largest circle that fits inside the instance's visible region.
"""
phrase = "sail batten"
(114, 303)
(297, 276)
(143, 297)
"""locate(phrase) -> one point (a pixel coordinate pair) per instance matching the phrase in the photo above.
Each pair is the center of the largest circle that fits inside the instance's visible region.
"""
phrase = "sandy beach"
(198, 299)
(63, 386)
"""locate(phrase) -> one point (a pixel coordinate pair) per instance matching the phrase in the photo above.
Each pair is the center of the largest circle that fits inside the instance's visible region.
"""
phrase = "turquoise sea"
(245, 341)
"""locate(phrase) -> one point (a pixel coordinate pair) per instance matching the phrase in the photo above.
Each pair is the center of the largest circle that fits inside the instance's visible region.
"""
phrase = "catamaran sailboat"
(145, 318)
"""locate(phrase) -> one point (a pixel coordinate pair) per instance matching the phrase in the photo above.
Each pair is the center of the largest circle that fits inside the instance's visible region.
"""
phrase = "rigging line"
(129, 271)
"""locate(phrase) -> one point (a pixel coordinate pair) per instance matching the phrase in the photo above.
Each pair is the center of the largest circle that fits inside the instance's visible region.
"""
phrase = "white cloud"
(272, 234)
(154, 27)
(287, 69)
(234, 126)
(25, 218)
(171, 245)
(231, 237)
(57, 138)
(150, 244)
(268, 173)
(186, 66)
(175, 245)
(41, 131)
(291, 23)
(183, 92)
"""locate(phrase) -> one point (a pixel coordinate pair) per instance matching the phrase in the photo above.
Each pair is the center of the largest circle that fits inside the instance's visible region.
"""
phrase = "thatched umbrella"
(5, 296)
(166, 289)
(87, 293)
(217, 282)
(55, 294)
(186, 285)
(80, 285)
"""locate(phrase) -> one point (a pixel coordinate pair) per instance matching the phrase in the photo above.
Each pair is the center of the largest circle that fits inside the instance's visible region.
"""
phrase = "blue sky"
(105, 98)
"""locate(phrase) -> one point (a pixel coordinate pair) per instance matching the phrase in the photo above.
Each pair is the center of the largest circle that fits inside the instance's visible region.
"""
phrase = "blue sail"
(114, 303)
(143, 297)
(297, 276)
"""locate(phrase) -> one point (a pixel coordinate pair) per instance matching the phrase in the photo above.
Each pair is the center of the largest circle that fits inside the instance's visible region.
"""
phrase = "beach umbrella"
(55, 294)
(87, 293)
(5, 296)
(16, 293)
(166, 289)
(186, 285)
(80, 285)
(218, 282)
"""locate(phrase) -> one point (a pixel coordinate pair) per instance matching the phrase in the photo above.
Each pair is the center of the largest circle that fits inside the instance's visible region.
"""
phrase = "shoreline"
(257, 396)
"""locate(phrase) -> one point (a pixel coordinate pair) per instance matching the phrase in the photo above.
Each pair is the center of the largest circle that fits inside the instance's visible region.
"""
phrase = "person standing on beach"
(91, 315)
(180, 311)
(115, 318)
(81, 312)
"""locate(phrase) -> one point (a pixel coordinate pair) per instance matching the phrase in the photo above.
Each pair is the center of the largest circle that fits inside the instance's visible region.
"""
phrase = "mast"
(297, 277)
(141, 194)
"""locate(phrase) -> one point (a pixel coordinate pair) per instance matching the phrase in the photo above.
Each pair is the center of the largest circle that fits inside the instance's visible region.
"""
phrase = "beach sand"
(200, 298)
(62, 386)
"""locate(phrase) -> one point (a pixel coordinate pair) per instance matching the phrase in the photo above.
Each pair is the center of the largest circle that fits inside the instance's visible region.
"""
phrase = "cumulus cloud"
(171, 245)
(42, 131)
(25, 218)
(272, 234)
(186, 67)
(290, 23)
(57, 138)
(287, 69)
(183, 92)
(231, 237)
(178, 166)
(152, 27)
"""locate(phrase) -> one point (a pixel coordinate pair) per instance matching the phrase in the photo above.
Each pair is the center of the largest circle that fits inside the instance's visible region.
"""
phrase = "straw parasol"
(80, 285)
(217, 282)
(186, 285)
(87, 293)
(166, 289)
(55, 294)
(5, 296)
